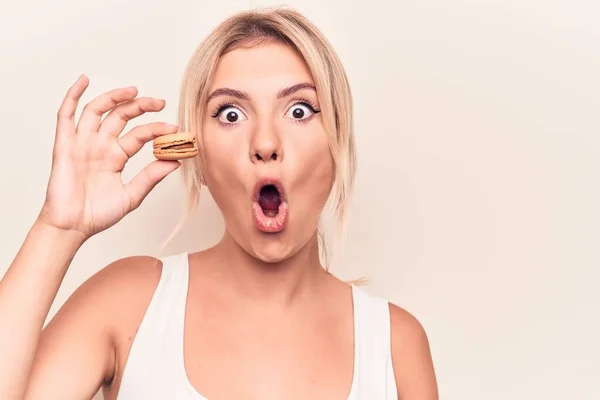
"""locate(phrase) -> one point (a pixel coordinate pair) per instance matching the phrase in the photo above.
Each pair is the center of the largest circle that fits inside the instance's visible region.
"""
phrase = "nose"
(265, 146)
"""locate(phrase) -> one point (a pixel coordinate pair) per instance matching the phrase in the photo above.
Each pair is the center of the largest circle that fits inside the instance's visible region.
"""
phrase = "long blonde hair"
(262, 26)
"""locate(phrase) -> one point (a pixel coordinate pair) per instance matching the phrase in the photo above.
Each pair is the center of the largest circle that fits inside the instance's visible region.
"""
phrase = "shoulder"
(411, 357)
(127, 276)
(89, 327)
(121, 290)
(110, 300)
(111, 295)
(406, 329)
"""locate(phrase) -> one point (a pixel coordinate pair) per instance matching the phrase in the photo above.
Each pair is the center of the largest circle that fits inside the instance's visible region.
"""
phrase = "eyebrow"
(245, 96)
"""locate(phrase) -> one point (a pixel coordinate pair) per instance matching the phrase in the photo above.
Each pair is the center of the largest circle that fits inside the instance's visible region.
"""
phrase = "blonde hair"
(274, 25)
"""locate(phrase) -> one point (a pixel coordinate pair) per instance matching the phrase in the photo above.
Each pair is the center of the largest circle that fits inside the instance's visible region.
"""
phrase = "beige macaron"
(175, 146)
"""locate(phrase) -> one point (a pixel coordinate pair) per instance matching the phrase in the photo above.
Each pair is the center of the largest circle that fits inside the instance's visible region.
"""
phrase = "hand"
(85, 192)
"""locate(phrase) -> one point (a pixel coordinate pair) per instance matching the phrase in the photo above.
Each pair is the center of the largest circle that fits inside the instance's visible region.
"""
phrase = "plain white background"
(478, 136)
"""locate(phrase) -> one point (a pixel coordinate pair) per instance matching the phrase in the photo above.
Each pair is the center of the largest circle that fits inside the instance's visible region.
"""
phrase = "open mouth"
(269, 208)
(269, 200)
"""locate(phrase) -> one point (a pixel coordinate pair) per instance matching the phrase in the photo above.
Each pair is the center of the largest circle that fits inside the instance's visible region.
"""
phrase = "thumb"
(139, 187)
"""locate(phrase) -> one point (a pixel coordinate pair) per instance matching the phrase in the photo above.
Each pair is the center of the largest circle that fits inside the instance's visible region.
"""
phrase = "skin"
(270, 287)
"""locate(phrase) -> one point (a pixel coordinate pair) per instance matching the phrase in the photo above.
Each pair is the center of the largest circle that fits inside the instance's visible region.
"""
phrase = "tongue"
(269, 199)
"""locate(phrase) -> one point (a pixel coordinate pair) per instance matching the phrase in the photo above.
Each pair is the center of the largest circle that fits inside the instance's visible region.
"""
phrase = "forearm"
(26, 295)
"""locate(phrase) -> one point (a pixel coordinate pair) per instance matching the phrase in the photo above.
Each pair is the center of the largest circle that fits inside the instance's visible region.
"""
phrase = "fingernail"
(172, 126)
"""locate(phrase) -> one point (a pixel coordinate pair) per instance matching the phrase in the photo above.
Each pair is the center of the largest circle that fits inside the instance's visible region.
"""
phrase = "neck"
(284, 282)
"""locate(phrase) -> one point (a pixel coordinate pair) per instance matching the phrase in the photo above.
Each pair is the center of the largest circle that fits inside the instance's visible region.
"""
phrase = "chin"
(271, 250)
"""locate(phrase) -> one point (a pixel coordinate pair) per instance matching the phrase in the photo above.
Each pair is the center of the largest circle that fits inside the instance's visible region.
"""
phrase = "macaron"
(175, 146)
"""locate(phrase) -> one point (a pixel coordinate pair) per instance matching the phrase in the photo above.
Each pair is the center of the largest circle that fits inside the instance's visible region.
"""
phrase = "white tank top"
(155, 366)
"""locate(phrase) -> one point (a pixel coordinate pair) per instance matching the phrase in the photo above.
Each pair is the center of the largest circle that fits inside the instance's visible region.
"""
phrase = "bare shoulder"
(411, 357)
(119, 287)
(110, 295)
(131, 276)
(121, 292)
(81, 342)
(134, 266)
(407, 331)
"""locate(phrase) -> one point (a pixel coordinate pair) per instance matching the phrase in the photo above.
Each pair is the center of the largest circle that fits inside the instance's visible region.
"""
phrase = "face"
(267, 161)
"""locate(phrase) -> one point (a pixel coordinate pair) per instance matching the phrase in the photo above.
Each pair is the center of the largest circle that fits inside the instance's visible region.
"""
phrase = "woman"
(254, 317)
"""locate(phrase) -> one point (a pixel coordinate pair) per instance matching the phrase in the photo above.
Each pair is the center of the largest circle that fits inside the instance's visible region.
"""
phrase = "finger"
(134, 140)
(115, 121)
(91, 116)
(66, 113)
(147, 179)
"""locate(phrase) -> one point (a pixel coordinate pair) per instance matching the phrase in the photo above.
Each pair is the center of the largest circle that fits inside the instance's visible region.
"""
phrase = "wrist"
(57, 234)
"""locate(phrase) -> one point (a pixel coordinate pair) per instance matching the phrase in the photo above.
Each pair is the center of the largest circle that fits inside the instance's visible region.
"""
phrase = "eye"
(301, 111)
(229, 114)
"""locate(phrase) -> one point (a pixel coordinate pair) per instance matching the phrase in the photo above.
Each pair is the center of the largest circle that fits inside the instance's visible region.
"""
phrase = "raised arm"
(85, 195)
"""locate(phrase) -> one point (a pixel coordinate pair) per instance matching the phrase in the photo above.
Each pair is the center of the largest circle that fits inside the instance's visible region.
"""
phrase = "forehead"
(265, 67)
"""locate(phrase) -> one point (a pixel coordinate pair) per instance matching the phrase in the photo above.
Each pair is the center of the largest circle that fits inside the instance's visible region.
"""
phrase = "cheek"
(321, 163)
(315, 164)
(222, 150)
(223, 172)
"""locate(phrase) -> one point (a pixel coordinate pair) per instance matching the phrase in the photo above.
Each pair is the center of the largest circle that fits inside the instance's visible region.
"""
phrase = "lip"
(263, 222)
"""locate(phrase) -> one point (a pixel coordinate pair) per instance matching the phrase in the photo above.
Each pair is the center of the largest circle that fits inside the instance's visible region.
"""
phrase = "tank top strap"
(374, 369)
(159, 338)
